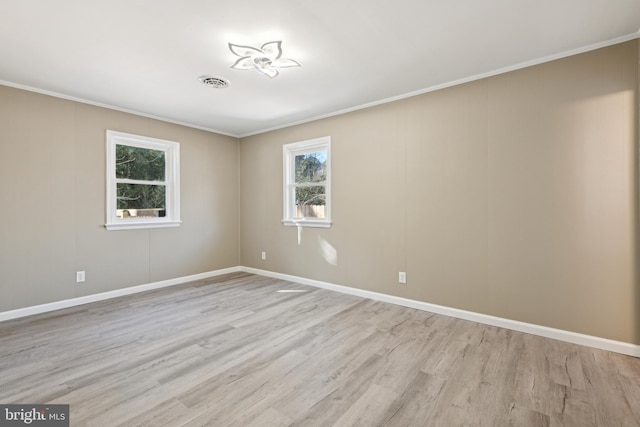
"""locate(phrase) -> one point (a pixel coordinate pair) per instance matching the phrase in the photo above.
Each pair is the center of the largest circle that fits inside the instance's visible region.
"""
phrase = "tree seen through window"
(310, 169)
(141, 175)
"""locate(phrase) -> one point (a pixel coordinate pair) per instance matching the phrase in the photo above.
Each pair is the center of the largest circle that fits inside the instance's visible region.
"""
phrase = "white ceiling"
(145, 56)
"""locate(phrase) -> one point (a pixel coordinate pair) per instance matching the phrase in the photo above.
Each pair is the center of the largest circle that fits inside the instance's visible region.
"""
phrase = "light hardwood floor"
(232, 351)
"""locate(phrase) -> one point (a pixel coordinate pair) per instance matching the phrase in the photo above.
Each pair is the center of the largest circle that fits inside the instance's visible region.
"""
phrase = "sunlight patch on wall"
(327, 251)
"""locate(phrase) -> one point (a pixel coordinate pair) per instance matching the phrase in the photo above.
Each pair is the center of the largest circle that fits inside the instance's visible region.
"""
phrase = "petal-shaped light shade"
(245, 63)
(268, 71)
(266, 60)
(244, 50)
(272, 50)
(285, 63)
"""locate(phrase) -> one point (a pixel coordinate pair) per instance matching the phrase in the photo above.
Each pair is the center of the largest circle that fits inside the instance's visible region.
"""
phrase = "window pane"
(139, 163)
(310, 202)
(311, 167)
(141, 200)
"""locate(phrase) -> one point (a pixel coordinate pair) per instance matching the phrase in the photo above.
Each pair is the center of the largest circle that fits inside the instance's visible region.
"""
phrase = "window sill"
(141, 224)
(316, 223)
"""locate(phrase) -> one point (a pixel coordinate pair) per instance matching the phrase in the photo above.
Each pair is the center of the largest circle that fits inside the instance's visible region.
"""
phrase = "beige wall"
(514, 196)
(52, 193)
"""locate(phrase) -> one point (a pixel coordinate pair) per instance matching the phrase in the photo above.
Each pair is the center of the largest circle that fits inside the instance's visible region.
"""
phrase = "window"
(307, 183)
(143, 182)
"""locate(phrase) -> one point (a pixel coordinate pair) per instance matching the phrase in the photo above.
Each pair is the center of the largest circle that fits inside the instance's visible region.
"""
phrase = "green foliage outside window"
(140, 164)
(311, 168)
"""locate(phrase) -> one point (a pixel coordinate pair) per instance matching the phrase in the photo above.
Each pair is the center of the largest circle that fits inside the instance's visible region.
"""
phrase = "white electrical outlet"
(80, 276)
(402, 277)
(264, 256)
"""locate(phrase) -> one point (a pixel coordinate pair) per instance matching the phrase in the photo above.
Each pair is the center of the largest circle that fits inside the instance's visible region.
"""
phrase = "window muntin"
(142, 182)
(307, 177)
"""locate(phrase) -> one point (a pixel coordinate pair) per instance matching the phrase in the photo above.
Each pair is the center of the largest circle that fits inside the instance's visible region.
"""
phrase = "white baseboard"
(57, 305)
(543, 331)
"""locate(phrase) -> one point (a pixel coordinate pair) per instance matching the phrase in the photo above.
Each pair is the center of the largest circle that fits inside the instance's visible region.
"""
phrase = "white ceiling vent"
(214, 82)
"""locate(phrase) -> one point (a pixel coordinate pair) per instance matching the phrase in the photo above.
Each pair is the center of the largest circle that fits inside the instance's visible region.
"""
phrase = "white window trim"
(290, 151)
(172, 181)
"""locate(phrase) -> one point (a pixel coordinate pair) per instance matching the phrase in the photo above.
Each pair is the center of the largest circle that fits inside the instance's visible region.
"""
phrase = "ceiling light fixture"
(266, 60)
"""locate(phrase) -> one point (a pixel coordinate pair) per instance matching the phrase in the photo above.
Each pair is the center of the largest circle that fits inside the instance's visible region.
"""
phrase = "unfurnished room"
(320, 213)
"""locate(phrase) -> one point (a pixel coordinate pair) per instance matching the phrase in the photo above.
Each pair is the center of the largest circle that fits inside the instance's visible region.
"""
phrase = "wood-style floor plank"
(232, 351)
